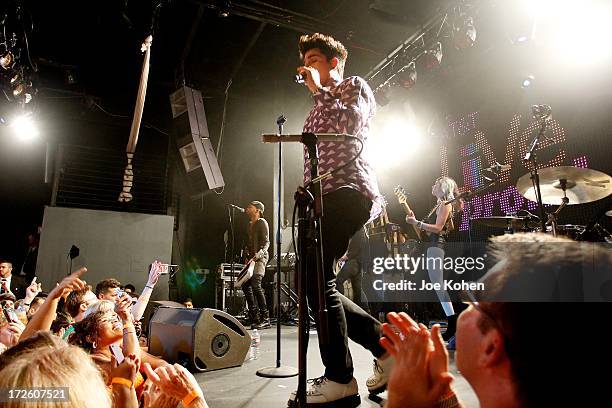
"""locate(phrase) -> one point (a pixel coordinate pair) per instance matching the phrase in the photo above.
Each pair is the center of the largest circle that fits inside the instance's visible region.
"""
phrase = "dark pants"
(344, 212)
(351, 271)
(253, 286)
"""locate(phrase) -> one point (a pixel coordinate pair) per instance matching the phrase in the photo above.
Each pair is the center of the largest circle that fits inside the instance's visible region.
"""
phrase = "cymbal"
(581, 185)
(506, 222)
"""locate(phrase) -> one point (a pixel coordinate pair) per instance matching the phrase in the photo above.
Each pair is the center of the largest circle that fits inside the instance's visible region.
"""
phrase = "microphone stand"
(231, 213)
(310, 210)
(531, 157)
(278, 371)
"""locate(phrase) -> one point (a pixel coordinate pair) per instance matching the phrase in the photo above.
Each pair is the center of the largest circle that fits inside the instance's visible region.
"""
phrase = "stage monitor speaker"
(203, 339)
(152, 307)
(193, 140)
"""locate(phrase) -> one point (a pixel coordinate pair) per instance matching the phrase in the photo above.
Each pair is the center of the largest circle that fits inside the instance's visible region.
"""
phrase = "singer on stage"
(340, 106)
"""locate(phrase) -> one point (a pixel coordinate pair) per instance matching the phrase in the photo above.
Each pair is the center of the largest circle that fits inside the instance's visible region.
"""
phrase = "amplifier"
(224, 270)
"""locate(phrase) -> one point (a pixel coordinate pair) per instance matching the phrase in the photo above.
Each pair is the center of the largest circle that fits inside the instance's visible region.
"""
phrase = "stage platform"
(240, 387)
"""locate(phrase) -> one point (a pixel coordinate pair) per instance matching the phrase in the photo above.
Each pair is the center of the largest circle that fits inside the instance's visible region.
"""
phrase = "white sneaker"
(322, 392)
(377, 382)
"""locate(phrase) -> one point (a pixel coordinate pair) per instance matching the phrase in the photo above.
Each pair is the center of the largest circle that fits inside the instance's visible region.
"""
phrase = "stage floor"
(240, 387)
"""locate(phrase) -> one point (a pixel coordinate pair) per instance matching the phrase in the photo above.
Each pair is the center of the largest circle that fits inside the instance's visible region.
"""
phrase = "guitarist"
(438, 228)
(257, 251)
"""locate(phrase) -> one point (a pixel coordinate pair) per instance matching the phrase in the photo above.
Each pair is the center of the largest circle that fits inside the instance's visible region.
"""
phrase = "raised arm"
(44, 317)
(139, 307)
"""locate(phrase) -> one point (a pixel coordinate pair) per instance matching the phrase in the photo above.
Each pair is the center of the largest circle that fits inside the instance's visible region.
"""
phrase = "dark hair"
(86, 331)
(6, 260)
(188, 300)
(130, 287)
(107, 284)
(74, 300)
(328, 46)
(62, 321)
(526, 325)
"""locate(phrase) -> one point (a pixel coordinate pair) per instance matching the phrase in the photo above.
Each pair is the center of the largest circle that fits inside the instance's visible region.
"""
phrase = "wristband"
(420, 225)
(122, 381)
(27, 304)
(448, 401)
(190, 397)
(150, 287)
(129, 325)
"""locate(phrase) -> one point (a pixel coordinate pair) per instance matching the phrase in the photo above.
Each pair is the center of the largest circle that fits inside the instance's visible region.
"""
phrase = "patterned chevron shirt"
(345, 107)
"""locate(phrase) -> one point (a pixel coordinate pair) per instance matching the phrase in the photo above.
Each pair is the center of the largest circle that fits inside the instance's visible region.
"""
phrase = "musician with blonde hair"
(445, 190)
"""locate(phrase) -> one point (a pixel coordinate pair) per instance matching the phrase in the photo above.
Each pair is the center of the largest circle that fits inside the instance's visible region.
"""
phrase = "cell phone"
(117, 353)
(120, 293)
(10, 315)
(166, 268)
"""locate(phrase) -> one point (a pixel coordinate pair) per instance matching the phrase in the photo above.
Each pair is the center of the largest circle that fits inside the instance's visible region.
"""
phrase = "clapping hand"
(421, 361)
(174, 381)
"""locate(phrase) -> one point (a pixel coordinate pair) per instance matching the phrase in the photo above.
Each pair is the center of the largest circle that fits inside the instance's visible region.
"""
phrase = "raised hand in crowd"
(177, 382)
(421, 360)
(157, 269)
(32, 291)
(130, 339)
(44, 317)
(123, 378)
(10, 334)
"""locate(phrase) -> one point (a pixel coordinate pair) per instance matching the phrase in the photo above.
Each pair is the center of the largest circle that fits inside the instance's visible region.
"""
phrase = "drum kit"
(562, 186)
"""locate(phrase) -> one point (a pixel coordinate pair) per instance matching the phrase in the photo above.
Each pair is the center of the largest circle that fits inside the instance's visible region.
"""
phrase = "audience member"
(509, 352)
(61, 365)
(28, 265)
(10, 283)
(78, 301)
(188, 303)
(107, 289)
(129, 289)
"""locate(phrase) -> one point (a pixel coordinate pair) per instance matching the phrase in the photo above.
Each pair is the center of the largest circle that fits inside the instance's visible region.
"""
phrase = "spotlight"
(464, 34)
(224, 9)
(527, 81)
(382, 96)
(6, 60)
(407, 76)
(24, 127)
(433, 56)
(70, 77)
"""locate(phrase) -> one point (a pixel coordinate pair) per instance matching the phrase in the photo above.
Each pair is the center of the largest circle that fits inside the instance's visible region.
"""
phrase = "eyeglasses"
(472, 301)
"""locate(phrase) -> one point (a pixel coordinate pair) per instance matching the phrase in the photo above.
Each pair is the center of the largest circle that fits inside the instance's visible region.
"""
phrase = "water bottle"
(255, 342)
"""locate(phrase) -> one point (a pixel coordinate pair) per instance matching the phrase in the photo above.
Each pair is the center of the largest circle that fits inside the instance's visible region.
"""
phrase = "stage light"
(433, 56)
(407, 76)
(382, 95)
(464, 33)
(24, 127)
(577, 33)
(396, 140)
(6, 60)
(527, 81)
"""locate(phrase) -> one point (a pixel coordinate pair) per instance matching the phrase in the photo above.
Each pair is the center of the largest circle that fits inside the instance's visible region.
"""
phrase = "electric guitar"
(246, 273)
(400, 193)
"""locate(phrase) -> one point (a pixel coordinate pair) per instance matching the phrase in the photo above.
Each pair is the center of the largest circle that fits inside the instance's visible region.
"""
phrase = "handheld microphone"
(299, 78)
(236, 207)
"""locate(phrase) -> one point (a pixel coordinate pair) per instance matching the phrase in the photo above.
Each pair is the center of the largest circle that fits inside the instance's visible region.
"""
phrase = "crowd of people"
(88, 340)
